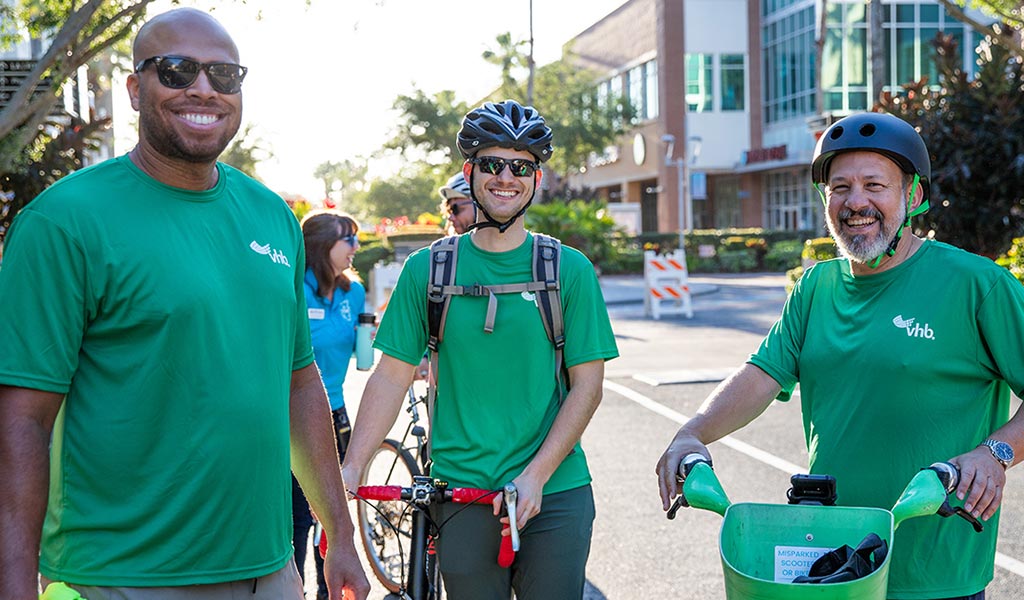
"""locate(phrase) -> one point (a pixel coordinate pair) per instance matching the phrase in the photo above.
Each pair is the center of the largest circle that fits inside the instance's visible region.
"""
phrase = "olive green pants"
(552, 558)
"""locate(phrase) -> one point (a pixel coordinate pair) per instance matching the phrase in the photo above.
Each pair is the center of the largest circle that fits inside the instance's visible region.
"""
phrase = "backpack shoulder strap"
(547, 255)
(444, 253)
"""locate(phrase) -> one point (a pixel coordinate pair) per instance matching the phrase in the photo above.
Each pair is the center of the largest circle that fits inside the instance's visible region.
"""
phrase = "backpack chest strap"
(491, 292)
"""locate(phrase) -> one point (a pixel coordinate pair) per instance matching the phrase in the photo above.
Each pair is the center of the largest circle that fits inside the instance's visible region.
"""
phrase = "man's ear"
(918, 195)
(133, 90)
(467, 170)
(538, 175)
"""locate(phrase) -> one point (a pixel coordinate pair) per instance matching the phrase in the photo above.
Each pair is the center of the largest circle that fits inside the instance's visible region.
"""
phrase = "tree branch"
(21, 106)
(1006, 39)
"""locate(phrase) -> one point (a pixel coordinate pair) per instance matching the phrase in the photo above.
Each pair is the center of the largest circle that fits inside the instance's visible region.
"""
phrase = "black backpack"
(545, 285)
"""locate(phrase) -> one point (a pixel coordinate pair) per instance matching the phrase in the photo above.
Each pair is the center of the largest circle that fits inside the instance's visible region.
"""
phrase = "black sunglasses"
(455, 207)
(492, 165)
(350, 239)
(178, 72)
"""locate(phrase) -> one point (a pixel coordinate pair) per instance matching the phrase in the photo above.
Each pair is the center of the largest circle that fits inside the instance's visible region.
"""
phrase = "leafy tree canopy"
(409, 193)
(975, 134)
(1008, 31)
(428, 126)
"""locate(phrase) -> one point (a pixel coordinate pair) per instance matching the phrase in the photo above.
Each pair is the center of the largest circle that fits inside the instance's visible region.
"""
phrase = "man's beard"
(170, 143)
(860, 247)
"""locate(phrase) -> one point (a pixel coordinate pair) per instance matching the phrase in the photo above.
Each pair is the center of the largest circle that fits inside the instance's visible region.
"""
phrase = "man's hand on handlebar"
(668, 465)
(351, 476)
(982, 479)
(530, 494)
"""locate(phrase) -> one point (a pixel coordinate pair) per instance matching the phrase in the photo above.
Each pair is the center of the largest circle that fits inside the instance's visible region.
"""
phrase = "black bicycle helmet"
(874, 132)
(507, 124)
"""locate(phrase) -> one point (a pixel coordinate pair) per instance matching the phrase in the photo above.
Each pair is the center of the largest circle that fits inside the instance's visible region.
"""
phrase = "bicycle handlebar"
(426, 491)
(919, 498)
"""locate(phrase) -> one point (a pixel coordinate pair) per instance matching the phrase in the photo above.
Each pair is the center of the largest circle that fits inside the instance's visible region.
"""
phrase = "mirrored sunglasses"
(178, 72)
(350, 239)
(492, 165)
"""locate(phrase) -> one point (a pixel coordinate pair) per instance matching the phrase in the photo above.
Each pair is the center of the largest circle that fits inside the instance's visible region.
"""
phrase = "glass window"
(834, 16)
(856, 57)
(832, 61)
(856, 13)
(615, 96)
(928, 67)
(789, 204)
(733, 82)
(905, 13)
(699, 70)
(651, 91)
(635, 81)
(929, 13)
(905, 55)
(788, 63)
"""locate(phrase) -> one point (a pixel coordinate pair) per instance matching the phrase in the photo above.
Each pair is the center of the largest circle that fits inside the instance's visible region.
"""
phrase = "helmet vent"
(837, 132)
(867, 130)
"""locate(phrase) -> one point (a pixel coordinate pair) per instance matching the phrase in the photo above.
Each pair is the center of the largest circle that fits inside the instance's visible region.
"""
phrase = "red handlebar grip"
(505, 552)
(380, 492)
(472, 495)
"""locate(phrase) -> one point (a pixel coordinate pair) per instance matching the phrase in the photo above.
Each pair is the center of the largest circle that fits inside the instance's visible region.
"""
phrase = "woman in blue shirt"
(334, 297)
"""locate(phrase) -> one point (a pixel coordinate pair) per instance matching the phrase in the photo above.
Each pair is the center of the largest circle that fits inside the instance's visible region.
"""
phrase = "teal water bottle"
(364, 344)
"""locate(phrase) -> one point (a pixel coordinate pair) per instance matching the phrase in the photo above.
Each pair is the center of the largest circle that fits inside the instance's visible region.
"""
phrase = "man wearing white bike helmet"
(906, 351)
(502, 413)
(457, 205)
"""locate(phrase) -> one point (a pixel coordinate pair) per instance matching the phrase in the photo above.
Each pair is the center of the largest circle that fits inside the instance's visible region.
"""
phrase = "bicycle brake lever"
(511, 496)
(679, 503)
(946, 510)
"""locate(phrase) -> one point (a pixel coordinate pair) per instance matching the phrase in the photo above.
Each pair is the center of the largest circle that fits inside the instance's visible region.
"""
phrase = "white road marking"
(1002, 561)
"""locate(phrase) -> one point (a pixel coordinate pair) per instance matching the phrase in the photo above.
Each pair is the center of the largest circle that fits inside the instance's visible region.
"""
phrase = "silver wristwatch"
(1002, 451)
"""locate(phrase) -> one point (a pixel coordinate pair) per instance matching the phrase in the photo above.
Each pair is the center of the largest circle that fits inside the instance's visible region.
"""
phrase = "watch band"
(1001, 451)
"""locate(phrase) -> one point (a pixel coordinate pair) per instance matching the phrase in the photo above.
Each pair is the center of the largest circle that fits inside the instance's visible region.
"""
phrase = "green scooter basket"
(761, 543)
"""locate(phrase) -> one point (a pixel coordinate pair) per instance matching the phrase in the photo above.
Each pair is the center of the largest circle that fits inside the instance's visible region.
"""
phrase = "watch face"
(1001, 450)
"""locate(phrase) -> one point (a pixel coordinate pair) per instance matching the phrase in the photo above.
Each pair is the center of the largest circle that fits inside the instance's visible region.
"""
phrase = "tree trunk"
(819, 55)
(876, 35)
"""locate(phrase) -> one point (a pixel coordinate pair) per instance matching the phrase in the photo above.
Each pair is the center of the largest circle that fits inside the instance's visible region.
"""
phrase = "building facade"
(728, 99)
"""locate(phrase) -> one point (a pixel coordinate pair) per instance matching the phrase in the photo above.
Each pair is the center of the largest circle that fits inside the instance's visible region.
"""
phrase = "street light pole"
(696, 142)
(680, 166)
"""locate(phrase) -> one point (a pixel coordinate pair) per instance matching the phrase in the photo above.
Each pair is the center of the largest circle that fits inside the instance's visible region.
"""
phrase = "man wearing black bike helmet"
(906, 351)
(502, 414)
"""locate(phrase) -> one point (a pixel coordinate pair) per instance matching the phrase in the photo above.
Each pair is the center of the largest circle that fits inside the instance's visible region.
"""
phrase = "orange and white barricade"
(383, 279)
(667, 287)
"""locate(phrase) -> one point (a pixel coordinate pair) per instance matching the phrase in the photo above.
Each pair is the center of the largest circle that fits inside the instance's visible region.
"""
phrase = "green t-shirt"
(172, 321)
(898, 370)
(497, 394)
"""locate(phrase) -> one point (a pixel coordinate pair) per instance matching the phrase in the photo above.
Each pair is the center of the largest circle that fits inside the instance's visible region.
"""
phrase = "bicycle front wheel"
(386, 532)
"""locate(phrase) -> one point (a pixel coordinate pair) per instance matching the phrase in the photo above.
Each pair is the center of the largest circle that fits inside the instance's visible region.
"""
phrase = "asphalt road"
(665, 371)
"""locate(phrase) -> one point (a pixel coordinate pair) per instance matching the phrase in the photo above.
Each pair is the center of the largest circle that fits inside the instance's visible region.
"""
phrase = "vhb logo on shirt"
(275, 255)
(914, 329)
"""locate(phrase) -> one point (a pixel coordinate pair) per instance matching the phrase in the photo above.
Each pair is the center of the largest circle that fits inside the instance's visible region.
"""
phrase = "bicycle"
(423, 581)
(808, 528)
(393, 514)
(382, 531)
